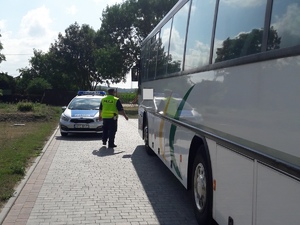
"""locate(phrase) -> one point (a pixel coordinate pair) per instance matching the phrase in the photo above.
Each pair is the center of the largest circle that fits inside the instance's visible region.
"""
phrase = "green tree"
(22, 81)
(2, 57)
(6, 81)
(83, 58)
(38, 68)
(51, 68)
(126, 25)
(3, 79)
(37, 86)
(246, 44)
(148, 13)
(117, 32)
(109, 63)
(75, 54)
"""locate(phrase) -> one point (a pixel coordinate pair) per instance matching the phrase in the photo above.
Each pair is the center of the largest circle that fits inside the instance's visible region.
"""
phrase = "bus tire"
(201, 190)
(146, 140)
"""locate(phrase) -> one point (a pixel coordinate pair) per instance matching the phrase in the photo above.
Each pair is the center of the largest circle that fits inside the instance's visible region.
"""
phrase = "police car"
(82, 114)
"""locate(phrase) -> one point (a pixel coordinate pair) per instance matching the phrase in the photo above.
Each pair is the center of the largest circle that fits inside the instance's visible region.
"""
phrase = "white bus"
(220, 106)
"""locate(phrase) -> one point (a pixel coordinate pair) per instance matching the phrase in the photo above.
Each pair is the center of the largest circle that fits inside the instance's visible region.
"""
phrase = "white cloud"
(105, 3)
(177, 45)
(197, 56)
(36, 22)
(2, 25)
(72, 10)
(34, 33)
(165, 36)
(35, 30)
(98, 1)
(289, 22)
(244, 3)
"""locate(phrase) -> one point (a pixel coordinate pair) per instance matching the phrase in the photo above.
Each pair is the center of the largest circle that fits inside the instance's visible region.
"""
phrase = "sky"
(35, 24)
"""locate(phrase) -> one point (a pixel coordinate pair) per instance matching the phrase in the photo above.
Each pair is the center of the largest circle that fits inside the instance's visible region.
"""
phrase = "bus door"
(165, 108)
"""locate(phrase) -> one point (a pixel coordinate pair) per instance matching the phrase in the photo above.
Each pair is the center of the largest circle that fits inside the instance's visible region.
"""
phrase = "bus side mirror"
(135, 73)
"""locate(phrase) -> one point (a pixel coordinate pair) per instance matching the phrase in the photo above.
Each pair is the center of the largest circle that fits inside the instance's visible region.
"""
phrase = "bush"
(18, 169)
(126, 97)
(25, 106)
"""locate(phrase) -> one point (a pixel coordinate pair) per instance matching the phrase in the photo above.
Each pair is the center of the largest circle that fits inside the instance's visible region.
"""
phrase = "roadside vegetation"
(25, 128)
(131, 111)
(129, 101)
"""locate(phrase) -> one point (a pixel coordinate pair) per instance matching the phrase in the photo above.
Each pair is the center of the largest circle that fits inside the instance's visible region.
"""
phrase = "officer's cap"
(111, 90)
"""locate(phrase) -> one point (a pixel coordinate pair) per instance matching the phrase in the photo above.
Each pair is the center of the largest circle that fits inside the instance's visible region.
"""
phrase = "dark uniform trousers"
(109, 130)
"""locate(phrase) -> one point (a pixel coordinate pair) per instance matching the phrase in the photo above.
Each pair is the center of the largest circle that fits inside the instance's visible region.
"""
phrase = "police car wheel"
(63, 134)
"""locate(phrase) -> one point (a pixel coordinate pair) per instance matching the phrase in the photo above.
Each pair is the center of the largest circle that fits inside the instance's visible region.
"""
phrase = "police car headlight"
(96, 118)
(64, 117)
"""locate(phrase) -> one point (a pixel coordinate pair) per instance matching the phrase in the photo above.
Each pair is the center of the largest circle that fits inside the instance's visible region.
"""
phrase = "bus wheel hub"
(200, 187)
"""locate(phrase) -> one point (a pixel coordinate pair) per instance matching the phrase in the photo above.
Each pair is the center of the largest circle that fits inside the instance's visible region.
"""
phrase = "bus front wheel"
(201, 189)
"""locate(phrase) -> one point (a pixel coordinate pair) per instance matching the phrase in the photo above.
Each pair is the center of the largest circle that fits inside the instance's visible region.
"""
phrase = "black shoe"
(112, 146)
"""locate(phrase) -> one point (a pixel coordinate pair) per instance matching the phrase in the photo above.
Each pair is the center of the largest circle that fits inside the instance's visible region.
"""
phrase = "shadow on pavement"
(80, 137)
(170, 200)
(104, 151)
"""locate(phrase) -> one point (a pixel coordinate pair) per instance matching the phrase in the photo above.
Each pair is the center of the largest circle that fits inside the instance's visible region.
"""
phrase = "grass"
(131, 111)
(22, 137)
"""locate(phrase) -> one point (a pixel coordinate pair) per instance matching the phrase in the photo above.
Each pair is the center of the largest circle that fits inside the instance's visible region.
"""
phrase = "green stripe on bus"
(173, 131)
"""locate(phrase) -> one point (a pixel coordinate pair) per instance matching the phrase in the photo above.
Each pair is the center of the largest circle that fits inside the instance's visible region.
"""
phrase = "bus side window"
(163, 49)
(152, 61)
(199, 34)
(178, 40)
(284, 28)
(145, 61)
(239, 29)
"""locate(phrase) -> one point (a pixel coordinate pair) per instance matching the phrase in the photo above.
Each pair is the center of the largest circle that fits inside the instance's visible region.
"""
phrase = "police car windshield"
(85, 104)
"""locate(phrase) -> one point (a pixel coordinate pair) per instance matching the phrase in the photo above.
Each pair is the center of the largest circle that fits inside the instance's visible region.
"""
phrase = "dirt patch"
(21, 117)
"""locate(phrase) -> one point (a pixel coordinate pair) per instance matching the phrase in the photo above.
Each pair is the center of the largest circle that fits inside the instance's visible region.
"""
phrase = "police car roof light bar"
(91, 93)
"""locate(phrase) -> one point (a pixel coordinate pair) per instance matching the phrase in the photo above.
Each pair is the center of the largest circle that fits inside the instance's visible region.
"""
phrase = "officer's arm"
(123, 114)
(100, 117)
(121, 110)
(100, 112)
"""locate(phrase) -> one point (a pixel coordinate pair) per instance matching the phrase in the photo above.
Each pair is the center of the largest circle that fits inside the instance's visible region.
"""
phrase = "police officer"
(110, 107)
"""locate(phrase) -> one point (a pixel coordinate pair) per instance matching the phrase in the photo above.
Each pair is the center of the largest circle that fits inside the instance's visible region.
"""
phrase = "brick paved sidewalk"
(78, 181)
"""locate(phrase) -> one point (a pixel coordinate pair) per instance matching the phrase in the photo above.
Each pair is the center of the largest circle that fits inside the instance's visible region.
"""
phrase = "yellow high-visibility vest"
(109, 107)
